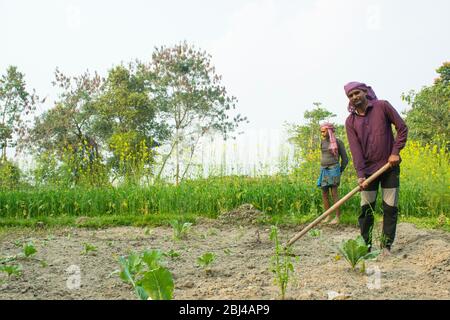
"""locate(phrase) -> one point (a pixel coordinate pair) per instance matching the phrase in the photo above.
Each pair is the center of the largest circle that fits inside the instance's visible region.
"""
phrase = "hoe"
(338, 204)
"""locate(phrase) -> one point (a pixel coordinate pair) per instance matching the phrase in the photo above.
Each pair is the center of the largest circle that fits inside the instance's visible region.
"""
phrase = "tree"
(10, 175)
(428, 119)
(15, 103)
(191, 99)
(66, 131)
(127, 122)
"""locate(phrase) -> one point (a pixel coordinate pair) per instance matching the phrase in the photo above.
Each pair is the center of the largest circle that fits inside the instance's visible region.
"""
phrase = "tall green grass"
(424, 192)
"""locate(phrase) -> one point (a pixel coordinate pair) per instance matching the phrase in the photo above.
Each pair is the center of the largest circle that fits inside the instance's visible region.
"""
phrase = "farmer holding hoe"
(372, 145)
(330, 171)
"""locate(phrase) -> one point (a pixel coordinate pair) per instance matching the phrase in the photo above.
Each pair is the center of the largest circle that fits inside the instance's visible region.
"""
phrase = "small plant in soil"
(171, 254)
(315, 233)
(29, 249)
(148, 277)
(281, 263)
(380, 238)
(356, 251)
(205, 260)
(180, 229)
(88, 248)
(11, 270)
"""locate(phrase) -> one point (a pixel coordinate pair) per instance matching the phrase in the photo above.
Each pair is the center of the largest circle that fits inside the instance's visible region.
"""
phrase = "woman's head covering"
(370, 94)
(333, 143)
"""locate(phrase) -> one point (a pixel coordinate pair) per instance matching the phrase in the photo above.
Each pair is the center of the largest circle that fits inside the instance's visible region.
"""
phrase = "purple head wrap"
(359, 85)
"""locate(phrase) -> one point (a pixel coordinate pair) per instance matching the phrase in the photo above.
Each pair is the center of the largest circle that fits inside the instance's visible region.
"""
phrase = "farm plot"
(75, 263)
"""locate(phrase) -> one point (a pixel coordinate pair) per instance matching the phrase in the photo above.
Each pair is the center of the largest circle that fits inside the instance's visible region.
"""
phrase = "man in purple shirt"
(372, 144)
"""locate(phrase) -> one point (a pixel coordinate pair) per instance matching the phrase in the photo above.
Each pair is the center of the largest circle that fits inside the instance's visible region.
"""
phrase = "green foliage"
(29, 249)
(315, 233)
(15, 103)
(424, 176)
(10, 175)
(180, 229)
(206, 259)
(428, 119)
(11, 270)
(127, 122)
(87, 248)
(192, 101)
(171, 254)
(281, 262)
(356, 251)
(158, 284)
(149, 278)
(66, 131)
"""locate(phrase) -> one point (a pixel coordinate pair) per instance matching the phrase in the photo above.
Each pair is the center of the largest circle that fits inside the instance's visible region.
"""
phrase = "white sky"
(276, 57)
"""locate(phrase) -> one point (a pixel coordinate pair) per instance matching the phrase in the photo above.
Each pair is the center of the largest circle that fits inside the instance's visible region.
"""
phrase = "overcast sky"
(276, 57)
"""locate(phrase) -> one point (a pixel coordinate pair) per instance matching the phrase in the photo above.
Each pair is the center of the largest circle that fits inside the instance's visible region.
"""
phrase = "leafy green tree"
(15, 104)
(127, 121)
(192, 99)
(66, 131)
(428, 119)
(10, 175)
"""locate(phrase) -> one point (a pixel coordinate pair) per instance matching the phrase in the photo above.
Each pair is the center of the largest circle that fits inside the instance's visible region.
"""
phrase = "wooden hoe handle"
(338, 204)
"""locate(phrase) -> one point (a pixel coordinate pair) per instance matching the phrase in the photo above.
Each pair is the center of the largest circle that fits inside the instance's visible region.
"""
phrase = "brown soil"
(419, 267)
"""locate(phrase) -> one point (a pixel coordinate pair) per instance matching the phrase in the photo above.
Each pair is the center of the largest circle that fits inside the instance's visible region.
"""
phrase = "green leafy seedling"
(205, 260)
(227, 251)
(315, 233)
(158, 284)
(130, 267)
(89, 248)
(150, 280)
(171, 254)
(29, 249)
(11, 270)
(281, 263)
(355, 251)
(180, 229)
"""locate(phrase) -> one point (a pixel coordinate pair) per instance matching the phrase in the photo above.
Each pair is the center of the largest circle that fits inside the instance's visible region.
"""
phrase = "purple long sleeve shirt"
(371, 139)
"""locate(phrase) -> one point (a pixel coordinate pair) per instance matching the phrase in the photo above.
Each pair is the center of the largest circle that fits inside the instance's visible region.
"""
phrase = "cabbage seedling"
(356, 251)
(12, 270)
(180, 229)
(89, 248)
(29, 249)
(315, 233)
(206, 260)
(150, 280)
(171, 254)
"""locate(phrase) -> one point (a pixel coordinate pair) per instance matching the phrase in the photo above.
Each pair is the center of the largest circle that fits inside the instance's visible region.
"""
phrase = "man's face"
(324, 133)
(357, 98)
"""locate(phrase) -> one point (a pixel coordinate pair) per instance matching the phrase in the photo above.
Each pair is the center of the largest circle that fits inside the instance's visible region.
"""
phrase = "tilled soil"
(418, 268)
